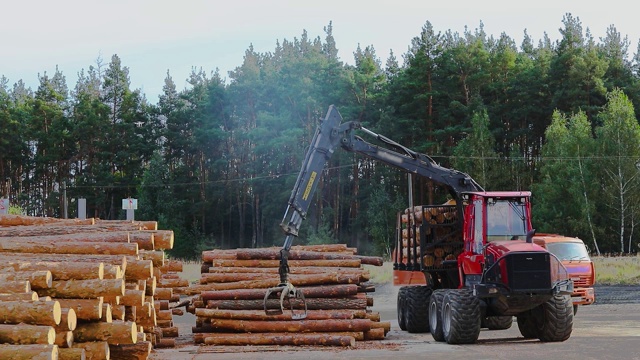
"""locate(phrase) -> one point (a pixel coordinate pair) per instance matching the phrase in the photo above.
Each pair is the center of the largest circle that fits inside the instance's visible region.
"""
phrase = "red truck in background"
(573, 254)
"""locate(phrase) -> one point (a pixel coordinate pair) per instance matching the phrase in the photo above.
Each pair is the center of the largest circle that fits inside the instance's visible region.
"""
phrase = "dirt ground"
(609, 329)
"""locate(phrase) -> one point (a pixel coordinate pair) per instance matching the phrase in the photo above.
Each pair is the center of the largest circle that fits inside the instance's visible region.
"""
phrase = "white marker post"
(130, 205)
(4, 206)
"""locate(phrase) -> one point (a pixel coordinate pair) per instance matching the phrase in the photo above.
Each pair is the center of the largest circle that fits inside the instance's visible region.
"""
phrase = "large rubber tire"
(417, 305)
(556, 324)
(497, 322)
(435, 314)
(527, 325)
(461, 317)
(575, 310)
(400, 305)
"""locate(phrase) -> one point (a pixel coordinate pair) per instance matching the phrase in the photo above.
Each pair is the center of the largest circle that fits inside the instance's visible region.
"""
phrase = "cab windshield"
(568, 251)
(506, 219)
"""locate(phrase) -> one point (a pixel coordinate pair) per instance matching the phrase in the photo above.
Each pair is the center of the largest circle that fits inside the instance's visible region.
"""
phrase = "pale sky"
(151, 37)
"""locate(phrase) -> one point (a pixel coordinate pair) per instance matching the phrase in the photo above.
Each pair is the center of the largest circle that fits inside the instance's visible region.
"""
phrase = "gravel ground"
(617, 294)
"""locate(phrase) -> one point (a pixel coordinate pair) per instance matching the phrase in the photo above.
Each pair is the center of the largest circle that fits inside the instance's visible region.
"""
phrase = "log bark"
(71, 247)
(166, 343)
(64, 339)
(132, 298)
(28, 296)
(52, 229)
(309, 292)
(312, 304)
(144, 239)
(84, 289)
(131, 313)
(72, 354)
(163, 239)
(138, 351)
(296, 280)
(117, 332)
(28, 352)
(106, 313)
(157, 256)
(274, 254)
(172, 266)
(375, 334)
(100, 237)
(15, 286)
(94, 350)
(280, 339)
(170, 332)
(40, 279)
(85, 309)
(76, 270)
(163, 293)
(112, 271)
(301, 326)
(118, 312)
(68, 320)
(353, 263)
(150, 287)
(34, 313)
(64, 258)
(15, 220)
(172, 283)
(138, 269)
(22, 334)
(261, 315)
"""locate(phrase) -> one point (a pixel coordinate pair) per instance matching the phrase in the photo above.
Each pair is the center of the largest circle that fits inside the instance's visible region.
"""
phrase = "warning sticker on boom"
(307, 190)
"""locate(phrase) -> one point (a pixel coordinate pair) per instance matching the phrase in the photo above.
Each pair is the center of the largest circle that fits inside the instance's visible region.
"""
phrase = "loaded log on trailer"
(492, 271)
(87, 288)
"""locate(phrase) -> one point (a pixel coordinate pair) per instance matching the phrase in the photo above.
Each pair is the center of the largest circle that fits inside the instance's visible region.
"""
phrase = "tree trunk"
(85, 309)
(262, 316)
(40, 279)
(355, 263)
(312, 304)
(93, 349)
(28, 352)
(119, 332)
(138, 351)
(22, 334)
(59, 270)
(72, 354)
(35, 313)
(280, 339)
(84, 289)
(70, 247)
(19, 220)
(309, 292)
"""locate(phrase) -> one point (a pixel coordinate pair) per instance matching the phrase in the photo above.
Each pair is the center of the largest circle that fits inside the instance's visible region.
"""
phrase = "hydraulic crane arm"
(331, 134)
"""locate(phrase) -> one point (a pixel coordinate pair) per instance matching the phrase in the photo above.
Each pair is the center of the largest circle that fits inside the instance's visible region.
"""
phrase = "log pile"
(435, 228)
(81, 289)
(229, 300)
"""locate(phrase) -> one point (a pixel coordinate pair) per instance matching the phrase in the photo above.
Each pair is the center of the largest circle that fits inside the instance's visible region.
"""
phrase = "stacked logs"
(437, 225)
(230, 308)
(103, 276)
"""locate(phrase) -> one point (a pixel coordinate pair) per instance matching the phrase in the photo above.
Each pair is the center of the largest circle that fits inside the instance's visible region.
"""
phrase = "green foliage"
(216, 161)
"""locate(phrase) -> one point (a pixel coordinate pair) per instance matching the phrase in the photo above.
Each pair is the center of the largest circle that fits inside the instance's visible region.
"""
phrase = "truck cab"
(575, 257)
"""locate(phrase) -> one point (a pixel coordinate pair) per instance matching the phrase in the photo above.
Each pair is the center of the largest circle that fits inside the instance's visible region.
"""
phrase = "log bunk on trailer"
(479, 263)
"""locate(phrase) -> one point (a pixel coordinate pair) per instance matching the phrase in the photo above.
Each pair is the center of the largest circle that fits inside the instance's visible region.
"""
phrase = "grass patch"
(380, 274)
(619, 270)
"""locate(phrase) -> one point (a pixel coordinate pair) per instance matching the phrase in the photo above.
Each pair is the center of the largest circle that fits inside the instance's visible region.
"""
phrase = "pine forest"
(216, 161)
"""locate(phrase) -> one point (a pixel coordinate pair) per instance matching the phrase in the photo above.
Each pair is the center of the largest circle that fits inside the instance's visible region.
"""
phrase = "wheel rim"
(446, 317)
(433, 315)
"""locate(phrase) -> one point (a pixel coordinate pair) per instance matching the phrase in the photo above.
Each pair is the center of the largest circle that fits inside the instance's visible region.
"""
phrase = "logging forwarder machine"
(476, 252)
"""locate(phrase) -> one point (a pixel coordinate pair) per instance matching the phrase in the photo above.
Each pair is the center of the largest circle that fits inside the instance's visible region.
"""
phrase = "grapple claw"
(287, 295)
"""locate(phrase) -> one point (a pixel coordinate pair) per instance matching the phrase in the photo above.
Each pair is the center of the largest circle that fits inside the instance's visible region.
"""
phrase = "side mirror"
(530, 235)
